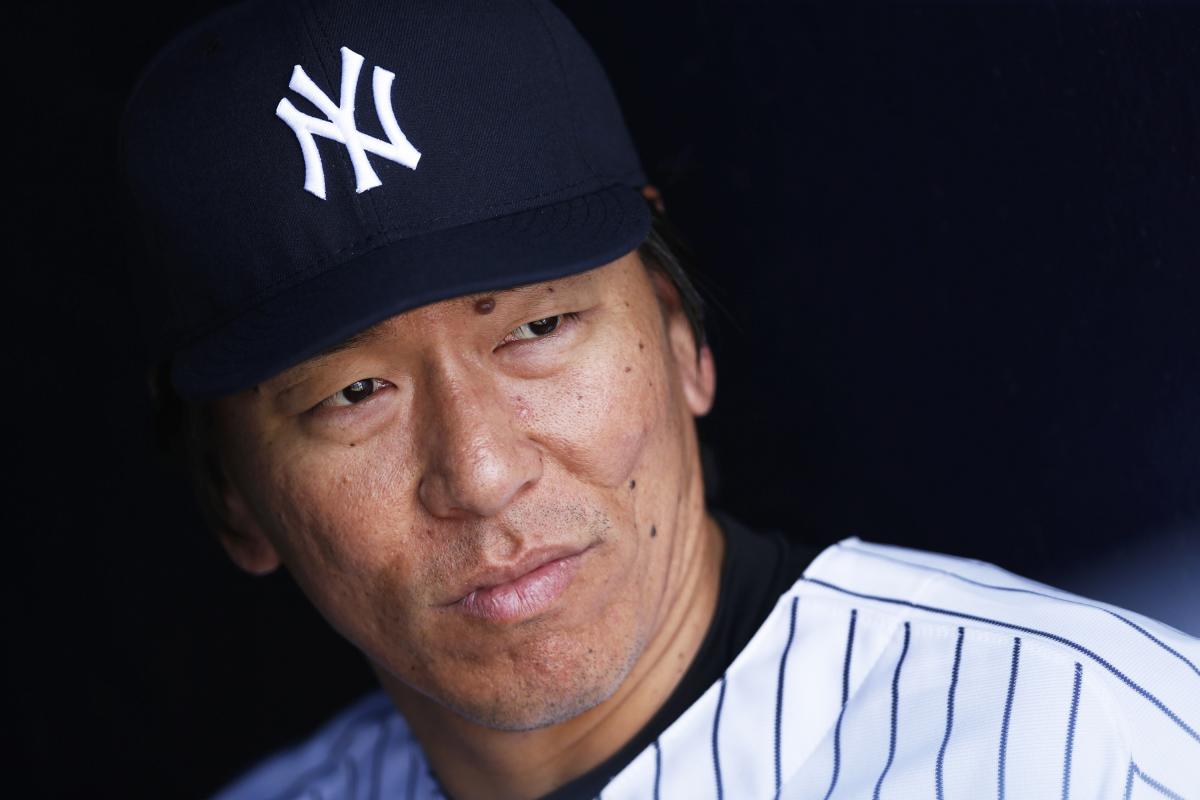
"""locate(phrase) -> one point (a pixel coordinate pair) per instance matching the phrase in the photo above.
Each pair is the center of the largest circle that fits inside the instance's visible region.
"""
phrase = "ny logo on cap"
(340, 125)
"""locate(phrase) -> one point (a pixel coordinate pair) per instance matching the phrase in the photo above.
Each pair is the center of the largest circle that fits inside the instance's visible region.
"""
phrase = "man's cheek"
(598, 425)
(327, 516)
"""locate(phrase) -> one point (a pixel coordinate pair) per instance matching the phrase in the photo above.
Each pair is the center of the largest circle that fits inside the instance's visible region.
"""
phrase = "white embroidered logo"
(340, 125)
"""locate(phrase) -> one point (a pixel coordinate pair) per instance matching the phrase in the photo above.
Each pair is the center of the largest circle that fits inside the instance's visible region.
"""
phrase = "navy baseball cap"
(303, 170)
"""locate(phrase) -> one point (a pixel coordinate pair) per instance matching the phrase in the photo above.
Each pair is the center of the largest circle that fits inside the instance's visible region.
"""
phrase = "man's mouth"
(523, 589)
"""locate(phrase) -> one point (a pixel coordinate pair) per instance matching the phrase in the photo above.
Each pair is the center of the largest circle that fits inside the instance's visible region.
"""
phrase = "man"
(431, 354)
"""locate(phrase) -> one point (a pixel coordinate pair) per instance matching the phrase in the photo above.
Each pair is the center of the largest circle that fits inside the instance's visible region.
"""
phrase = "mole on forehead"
(485, 302)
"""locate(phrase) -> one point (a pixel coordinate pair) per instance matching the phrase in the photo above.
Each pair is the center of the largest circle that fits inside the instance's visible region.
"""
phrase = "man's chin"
(532, 699)
(530, 705)
(521, 717)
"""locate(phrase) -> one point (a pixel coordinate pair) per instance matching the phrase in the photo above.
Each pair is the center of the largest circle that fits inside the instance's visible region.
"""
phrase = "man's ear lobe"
(700, 382)
(236, 526)
(247, 546)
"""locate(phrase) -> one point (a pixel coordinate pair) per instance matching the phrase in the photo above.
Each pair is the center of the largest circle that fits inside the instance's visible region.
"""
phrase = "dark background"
(952, 254)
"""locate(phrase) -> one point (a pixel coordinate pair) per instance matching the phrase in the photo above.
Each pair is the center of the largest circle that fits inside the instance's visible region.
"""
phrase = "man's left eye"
(538, 328)
(355, 392)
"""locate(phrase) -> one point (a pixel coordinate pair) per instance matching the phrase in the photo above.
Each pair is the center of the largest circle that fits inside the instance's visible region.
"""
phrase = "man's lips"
(526, 587)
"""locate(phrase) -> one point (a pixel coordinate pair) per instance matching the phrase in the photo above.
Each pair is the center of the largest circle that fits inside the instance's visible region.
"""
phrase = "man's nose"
(478, 457)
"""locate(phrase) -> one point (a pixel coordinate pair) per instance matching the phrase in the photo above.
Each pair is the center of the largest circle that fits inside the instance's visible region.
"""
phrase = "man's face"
(493, 496)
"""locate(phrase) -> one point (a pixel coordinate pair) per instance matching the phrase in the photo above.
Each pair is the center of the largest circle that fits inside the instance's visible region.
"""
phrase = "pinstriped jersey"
(884, 672)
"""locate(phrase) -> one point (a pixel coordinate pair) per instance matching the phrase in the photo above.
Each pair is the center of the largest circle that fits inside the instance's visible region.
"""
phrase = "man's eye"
(355, 392)
(543, 328)
(538, 328)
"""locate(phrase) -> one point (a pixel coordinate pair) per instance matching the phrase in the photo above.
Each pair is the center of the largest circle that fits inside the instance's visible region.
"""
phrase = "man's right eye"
(355, 392)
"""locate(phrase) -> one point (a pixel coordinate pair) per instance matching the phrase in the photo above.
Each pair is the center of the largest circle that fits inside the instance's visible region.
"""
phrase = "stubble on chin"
(542, 697)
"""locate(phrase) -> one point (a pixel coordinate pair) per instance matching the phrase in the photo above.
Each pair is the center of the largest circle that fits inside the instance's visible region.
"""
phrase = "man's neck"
(477, 762)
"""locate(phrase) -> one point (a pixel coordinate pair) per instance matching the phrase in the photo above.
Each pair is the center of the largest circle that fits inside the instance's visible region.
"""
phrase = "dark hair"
(664, 250)
(183, 428)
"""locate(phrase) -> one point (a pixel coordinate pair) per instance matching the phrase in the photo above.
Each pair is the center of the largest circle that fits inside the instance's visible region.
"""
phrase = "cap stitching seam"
(563, 83)
(362, 198)
(306, 25)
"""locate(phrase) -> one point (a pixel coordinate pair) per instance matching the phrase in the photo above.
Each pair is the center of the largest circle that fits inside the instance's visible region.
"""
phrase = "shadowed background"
(952, 260)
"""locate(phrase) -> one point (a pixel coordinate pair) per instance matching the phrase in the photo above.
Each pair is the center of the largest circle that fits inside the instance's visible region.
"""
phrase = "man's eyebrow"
(360, 339)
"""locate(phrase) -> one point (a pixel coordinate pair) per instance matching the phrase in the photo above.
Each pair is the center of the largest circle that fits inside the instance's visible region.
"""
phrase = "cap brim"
(535, 245)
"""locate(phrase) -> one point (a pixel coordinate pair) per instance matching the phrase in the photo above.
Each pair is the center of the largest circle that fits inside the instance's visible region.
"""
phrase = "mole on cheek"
(485, 306)
(653, 531)
(633, 484)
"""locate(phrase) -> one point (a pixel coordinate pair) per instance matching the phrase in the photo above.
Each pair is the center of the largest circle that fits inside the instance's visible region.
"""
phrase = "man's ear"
(651, 193)
(234, 521)
(697, 371)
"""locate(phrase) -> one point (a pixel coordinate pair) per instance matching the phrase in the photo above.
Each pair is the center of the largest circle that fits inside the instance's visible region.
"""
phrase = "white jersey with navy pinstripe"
(884, 672)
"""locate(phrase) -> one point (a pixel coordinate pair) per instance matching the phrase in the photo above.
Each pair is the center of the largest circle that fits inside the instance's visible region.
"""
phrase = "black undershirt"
(757, 568)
